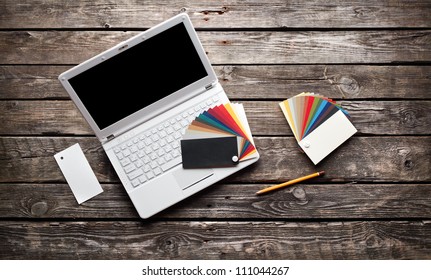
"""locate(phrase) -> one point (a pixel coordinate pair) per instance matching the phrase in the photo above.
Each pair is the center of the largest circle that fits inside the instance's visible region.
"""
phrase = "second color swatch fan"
(318, 124)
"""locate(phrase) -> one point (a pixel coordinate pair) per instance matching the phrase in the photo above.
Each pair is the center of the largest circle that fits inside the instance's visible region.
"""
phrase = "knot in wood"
(169, 244)
(39, 208)
(348, 85)
(408, 117)
(227, 73)
(408, 164)
(300, 194)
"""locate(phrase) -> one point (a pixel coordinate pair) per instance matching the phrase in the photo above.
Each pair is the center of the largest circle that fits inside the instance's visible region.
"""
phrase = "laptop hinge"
(209, 86)
(110, 137)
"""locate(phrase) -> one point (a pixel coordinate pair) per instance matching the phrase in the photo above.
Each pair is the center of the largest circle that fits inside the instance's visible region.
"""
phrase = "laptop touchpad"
(187, 178)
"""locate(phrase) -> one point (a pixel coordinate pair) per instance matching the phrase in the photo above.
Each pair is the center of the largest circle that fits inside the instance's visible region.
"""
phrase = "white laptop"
(137, 97)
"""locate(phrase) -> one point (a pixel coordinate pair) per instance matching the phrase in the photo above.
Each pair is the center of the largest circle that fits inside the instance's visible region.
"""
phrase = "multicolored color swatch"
(309, 112)
(225, 120)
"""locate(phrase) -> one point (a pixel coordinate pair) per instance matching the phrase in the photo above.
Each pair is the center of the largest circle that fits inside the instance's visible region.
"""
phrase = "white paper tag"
(78, 173)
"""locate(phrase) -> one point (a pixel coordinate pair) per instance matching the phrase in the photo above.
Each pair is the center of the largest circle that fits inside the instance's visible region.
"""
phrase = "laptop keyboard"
(157, 150)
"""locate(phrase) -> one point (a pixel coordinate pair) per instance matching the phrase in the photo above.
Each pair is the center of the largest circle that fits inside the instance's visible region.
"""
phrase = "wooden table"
(373, 203)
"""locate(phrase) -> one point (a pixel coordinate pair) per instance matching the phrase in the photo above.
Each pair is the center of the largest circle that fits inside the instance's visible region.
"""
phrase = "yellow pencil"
(291, 182)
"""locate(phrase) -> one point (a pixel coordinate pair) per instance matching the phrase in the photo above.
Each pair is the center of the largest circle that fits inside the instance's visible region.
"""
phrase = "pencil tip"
(321, 173)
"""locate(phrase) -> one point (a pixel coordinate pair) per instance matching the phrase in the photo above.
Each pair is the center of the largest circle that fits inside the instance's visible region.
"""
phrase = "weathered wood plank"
(216, 14)
(303, 201)
(257, 82)
(368, 159)
(215, 240)
(235, 47)
(28, 117)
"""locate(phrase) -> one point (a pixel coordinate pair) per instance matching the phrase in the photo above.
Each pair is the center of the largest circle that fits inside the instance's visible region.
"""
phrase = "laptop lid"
(140, 78)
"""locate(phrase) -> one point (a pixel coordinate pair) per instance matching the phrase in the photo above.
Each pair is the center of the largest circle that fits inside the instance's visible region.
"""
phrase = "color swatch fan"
(219, 137)
(318, 123)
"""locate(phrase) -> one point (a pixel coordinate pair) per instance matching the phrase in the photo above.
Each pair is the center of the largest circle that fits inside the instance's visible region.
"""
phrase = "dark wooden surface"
(374, 202)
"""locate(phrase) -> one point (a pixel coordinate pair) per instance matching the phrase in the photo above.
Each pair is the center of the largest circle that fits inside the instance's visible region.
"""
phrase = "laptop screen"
(139, 76)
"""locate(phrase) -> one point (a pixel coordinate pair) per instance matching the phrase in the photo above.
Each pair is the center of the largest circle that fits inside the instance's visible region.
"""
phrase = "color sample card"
(228, 124)
(210, 152)
(318, 123)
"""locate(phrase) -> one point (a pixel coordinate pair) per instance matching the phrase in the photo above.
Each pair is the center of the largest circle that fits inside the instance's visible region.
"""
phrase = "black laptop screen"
(139, 76)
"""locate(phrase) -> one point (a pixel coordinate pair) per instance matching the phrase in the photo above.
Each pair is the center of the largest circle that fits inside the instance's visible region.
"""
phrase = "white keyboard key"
(129, 168)
(142, 179)
(171, 164)
(175, 145)
(168, 157)
(176, 153)
(141, 145)
(126, 153)
(150, 174)
(125, 162)
(147, 141)
(177, 126)
(146, 159)
(168, 148)
(135, 183)
(157, 171)
(133, 157)
(147, 168)
(170, 130)
(134, 174)
(161, 161)
(153, 164)
(184, 123)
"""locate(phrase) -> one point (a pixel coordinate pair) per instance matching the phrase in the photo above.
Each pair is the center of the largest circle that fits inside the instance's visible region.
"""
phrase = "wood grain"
(216, 14)
(366, 159)
(374, 201)
(227, 201)
(233, 47)
(215, 240)
(255, 81)
(28, 117)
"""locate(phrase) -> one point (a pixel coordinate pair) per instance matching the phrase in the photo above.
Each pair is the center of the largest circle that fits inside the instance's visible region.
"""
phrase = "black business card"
(209, 152)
